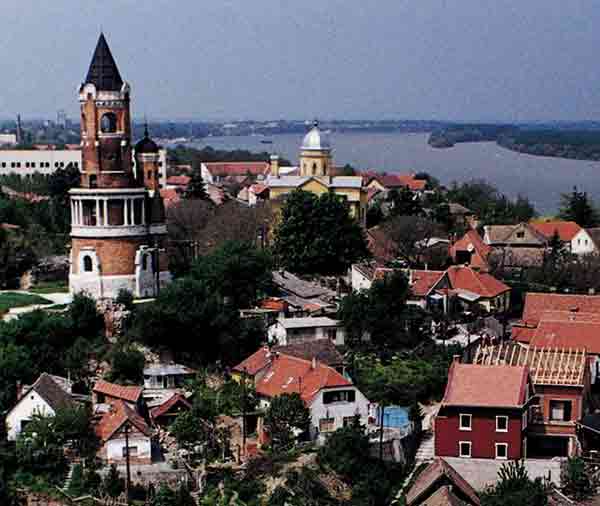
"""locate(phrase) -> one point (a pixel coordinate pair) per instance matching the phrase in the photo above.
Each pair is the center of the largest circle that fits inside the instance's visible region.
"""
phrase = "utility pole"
(127, 467)
(244, 411)
(381, 432)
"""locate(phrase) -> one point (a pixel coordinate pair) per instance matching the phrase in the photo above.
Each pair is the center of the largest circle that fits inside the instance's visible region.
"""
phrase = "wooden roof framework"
(547, 366)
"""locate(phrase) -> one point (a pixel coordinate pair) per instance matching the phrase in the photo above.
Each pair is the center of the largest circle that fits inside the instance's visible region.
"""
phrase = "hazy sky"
(243, 59)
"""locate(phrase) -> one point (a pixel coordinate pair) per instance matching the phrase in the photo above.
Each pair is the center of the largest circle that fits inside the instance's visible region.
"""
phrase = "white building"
(582, 243)
(44, 397)
(332, 399)
(166, 376)
(8, 139)
(298, 330)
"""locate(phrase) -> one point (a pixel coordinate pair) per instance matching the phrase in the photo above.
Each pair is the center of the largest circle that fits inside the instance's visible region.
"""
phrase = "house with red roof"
(104, 392)
(471, 250)
(386, 182)
(575, 238)
(484, 412)
(118, 426)
(332, 399)
(220, 172)
(167, 411)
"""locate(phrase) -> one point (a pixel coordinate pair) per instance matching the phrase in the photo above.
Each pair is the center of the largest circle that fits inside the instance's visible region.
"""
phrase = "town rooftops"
(478, 386)
(277, 373)
(167, 370)
(422, 282)
(114, 419)
(538, 303)
(127, 393)
(308, 322)
(169, 404)
(391, 181)
(457, 209)
(181, 180)
(471, 281)
(547, 366)
(323, 350)
(566, 229)
(297, 286)
(223, 169)
(51, 391)
(439, 472)
(473, 243)
(329, 182)
(519, 234)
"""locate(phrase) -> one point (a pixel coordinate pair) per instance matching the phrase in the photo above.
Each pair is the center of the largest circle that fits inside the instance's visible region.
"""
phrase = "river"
(541, 179)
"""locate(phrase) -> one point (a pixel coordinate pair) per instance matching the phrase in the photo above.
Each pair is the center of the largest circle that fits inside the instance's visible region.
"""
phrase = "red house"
(484, 412)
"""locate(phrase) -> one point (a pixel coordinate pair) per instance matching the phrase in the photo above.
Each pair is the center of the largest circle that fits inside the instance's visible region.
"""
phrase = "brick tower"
(118, 228)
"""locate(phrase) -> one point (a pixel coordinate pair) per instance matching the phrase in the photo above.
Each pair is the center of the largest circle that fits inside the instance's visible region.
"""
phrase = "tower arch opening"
(108, 123)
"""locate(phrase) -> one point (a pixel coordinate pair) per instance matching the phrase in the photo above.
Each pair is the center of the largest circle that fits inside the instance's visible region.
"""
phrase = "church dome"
(316, 140)
(146, 145)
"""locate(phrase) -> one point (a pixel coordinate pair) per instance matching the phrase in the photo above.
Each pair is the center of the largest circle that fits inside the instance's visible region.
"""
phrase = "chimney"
(274, 165)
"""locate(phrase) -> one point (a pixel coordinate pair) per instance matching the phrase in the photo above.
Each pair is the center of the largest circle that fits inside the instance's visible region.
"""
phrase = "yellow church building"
(314, 175)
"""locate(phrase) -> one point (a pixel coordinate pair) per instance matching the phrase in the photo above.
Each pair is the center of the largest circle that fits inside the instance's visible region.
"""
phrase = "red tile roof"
(273, 304)
(473, 243)
(566, 229)
(481, 283)
(564, 329)
(425, 482)
(113, 420)
(237, 168)
(179, 180)
(423, 281)
(390, 181)
(522, 334)
(172, 401)
(478, 385)
(281, 373)
(171, 196)
(127, 393)
(538, 303)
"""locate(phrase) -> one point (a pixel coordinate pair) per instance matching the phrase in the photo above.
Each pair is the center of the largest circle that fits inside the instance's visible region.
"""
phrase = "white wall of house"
(277, 333)
(24, 410)
(29, 161)
(582, 244)
(337, 411)
(115, 449)
(207, 177)
(359, 280)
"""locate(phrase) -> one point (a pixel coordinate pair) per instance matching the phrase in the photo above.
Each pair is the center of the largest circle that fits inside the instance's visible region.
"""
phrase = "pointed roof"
(103, 71)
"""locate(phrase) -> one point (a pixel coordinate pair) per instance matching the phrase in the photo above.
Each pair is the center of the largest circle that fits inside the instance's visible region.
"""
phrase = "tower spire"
(103, 71)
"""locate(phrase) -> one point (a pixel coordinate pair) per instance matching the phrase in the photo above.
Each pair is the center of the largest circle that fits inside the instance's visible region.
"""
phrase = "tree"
(514, 487)
(113, 485)
(286, 414)
(237, 271)
(576, 207)
(125, 298)
(405, 202)
(317, 235)
(579, 482)
(127, 365)
(196, 188)
(409, 237)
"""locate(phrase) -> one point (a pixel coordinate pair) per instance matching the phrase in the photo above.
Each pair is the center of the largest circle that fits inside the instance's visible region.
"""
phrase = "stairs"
(425, 452)
(69, 477)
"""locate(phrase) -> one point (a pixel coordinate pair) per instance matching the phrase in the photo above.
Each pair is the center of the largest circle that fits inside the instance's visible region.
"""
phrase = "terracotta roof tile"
(566, 229)
(274, 304)
(473, 243)
(281, 373)
(113, 420)
(477, 385)
(238, 168)
(179, 180)
(433, 474)
(127, 393)
(423, 281)
(172, 401)
(538, 303)
(391, 181)
(481, 283)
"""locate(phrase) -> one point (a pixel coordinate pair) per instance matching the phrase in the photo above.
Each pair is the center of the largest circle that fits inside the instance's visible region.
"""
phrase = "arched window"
(314, 170)
(88, 265)
(108, 123)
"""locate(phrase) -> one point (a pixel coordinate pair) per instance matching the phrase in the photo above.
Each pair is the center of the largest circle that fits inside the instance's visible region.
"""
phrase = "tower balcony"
(98, 213)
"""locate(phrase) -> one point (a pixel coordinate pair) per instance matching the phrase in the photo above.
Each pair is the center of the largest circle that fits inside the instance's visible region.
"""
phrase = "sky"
(472, 60)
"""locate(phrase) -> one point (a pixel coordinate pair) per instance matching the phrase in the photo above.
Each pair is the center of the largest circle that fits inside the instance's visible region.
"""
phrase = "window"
(339, 396)
(465, 422)
(502, 424)
(560, 411)
(332, 335)
(100, 398)
(502, 451)
(108, 123)
(93, 181)
(88, 265)
(464, 449)
(133, 451)
(349, 420)
(326, 425)
(145, 262)
(520, 235)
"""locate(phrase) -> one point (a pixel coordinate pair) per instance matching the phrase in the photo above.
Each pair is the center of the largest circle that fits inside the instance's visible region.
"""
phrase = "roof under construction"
(547, 366)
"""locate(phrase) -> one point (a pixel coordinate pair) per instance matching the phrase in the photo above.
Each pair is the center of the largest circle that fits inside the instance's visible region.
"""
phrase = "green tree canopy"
(286, 413)
(576, 207)
(317, 235)
(514, 487)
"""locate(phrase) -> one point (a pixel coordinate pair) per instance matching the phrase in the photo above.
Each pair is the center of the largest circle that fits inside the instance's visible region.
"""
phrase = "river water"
(542, 179)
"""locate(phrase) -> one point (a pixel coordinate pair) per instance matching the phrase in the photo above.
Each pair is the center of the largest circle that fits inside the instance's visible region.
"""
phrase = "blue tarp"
(394, 416)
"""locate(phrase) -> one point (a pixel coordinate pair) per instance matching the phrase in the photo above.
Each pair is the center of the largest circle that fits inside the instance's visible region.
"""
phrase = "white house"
(297, 330)
(583, 243)
(47, 395)
(166, 376)
(111, 428)
(332, 399)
